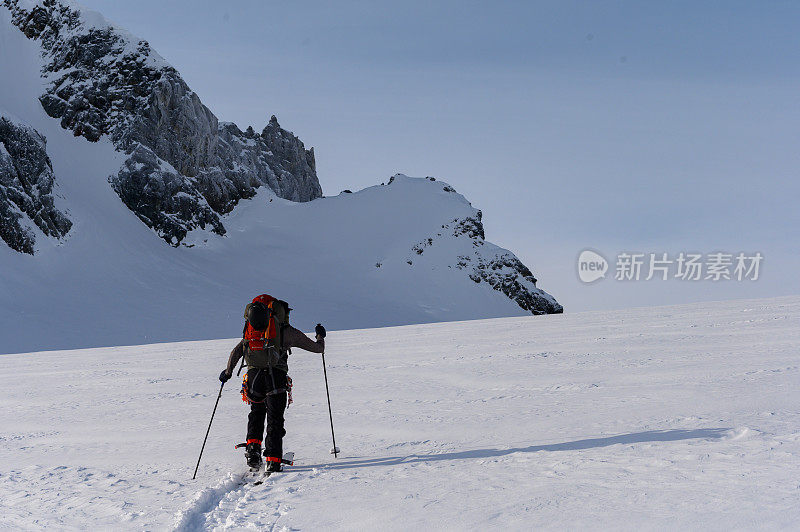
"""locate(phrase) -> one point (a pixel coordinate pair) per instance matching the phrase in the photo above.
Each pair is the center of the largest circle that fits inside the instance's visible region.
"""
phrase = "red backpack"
(265, 320)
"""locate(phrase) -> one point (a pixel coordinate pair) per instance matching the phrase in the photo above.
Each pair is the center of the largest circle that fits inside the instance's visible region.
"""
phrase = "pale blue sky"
(639, 126)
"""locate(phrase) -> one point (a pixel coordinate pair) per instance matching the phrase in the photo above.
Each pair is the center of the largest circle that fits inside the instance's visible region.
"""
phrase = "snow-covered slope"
(410, 251)
(674, 417)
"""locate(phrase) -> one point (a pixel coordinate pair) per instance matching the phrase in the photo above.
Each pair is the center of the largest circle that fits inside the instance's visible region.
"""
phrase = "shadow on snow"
(591, 443)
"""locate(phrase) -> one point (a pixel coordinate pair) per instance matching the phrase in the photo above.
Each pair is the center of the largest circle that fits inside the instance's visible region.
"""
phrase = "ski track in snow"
(680, 417)
(207, 501)
(236, 502)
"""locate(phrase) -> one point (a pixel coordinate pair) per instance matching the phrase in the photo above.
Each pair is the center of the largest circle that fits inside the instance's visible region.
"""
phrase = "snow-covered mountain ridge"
(72, 207)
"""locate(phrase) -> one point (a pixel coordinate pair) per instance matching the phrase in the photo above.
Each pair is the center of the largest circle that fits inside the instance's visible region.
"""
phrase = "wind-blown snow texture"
(675, 417)
(410, 251)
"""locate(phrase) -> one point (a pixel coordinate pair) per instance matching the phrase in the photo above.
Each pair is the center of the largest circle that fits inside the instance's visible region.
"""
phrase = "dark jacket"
(291, 338)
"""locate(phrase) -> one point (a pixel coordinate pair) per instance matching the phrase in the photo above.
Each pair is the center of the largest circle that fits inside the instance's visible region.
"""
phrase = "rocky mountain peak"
(184, 168)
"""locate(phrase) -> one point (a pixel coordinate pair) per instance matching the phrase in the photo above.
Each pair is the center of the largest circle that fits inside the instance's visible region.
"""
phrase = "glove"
(224, 376)
(320, 330)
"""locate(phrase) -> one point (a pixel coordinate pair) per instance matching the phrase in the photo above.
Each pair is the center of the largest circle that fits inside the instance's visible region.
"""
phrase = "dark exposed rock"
(102, 81)
(26, 187)
(506, 273)
(420, 248)
(498, 268)
(275, 158)
(470, 226)
(175, 124)
(18, 238)
(160, 197)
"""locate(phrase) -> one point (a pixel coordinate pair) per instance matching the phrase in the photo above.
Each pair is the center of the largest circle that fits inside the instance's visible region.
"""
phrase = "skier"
(266, 343)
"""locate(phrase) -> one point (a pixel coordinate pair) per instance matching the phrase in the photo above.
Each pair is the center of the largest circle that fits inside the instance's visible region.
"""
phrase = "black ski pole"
(335, 451)
(207, 431)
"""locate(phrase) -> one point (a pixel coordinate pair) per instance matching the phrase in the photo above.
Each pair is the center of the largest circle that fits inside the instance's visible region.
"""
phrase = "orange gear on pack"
(265, 320)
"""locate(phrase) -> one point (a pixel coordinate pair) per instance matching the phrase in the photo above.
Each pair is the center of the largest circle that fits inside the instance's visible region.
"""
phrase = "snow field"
(679, 417)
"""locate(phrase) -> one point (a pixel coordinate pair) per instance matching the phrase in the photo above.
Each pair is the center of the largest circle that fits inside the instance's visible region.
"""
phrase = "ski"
(286, 460)
(259, 474)
(253, 474)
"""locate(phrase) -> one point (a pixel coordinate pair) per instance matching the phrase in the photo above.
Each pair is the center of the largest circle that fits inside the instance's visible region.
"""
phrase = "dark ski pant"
(271, 410)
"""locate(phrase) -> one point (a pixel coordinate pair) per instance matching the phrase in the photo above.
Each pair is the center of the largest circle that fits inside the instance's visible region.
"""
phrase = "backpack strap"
(244, 345)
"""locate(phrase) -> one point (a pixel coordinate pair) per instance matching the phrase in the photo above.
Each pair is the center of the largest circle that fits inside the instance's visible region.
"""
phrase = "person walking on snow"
(266, 343)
